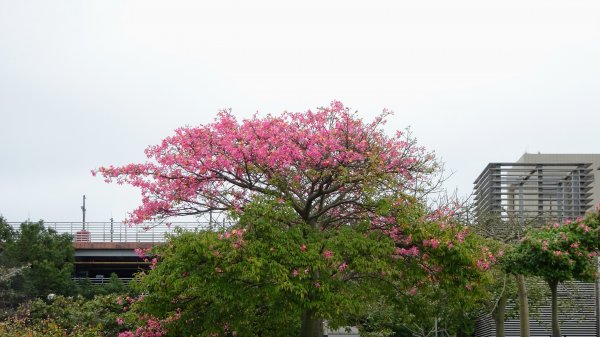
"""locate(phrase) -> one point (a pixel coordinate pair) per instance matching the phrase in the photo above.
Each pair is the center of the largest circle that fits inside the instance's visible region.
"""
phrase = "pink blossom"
(141, 252)
(327, 254)
(343, 266)
(224, 164)
(483, 265)
(433, 243)
(295, 272)
(460, 236)
(412, 251)
(119, 321)
(544, 245)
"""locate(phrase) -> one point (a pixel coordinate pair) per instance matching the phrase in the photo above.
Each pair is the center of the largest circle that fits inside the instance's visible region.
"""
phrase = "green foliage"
(15, 327)
(8, 296)
(453, 296)
(65, 316)
(7, 233)
(88, 290)
(70, 313)
(558, 252)
(258, 278)
(49, 255)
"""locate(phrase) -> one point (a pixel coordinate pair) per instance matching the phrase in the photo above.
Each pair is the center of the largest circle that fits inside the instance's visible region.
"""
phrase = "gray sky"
(85, 84)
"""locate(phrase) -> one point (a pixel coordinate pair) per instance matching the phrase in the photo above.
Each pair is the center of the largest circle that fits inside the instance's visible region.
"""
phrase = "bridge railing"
(124, 232)
(96, 281)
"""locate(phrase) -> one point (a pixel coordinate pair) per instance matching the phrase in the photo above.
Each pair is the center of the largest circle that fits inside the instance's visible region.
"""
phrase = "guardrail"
(97, 281)
(124, 232)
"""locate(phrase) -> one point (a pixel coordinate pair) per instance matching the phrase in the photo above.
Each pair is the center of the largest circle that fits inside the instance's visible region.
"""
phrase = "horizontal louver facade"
(577, 317)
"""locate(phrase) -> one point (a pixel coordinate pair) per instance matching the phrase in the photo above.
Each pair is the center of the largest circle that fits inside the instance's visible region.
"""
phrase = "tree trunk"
(553, 289)
(523, 306)
(312, 326)
(499, 315)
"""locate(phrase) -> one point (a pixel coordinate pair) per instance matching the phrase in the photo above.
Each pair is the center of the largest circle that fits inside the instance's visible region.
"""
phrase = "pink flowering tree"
(324, 163)
(558, 253)
(349, 193)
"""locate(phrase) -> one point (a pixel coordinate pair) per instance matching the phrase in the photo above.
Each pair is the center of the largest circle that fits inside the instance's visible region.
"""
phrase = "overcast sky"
(85, 84)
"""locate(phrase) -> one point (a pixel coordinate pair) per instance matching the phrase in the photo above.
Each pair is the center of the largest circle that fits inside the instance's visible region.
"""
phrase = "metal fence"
(98, 281)
(112, 231)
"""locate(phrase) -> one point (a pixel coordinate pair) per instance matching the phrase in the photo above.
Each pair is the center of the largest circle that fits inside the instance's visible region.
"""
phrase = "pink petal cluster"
(433, 243)
(460, 236)
(153, 263)
(153, 327)
(412, 251)
(222, 165)
(142, 252)
(487, 259)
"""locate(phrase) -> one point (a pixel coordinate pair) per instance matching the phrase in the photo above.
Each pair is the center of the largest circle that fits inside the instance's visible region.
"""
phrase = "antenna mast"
(83, 211)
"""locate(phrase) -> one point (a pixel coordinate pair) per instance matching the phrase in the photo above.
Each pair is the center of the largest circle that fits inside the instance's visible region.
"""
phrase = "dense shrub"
(65, 316)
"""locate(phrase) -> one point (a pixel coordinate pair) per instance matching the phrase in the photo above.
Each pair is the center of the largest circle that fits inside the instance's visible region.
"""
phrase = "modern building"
(546, 187)
(539, 189)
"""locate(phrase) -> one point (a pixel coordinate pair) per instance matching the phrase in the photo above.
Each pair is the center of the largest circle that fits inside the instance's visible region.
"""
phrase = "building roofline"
(516, 164)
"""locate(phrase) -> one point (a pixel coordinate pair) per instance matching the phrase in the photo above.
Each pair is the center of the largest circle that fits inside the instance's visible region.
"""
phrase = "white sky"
(85, 84)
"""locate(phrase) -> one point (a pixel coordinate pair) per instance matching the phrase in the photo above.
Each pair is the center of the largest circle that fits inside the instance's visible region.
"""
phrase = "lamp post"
(83, 235)
(83, 211)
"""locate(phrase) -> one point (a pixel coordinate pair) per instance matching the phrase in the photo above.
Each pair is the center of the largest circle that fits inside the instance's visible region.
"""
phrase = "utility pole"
(83, 210)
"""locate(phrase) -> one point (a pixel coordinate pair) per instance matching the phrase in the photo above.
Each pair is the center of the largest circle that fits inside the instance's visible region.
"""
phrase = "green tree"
(259, 277)
(559, 253)
(49, 255)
